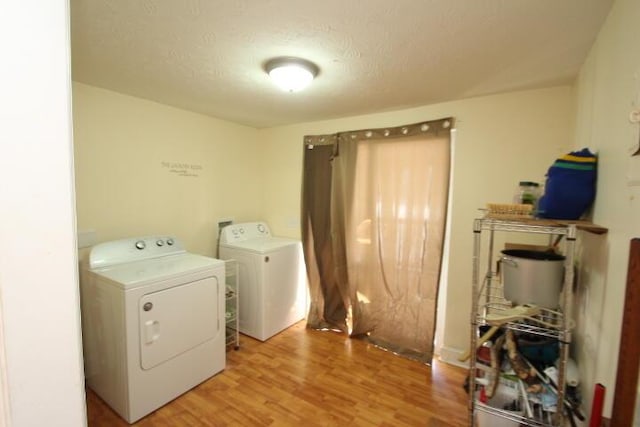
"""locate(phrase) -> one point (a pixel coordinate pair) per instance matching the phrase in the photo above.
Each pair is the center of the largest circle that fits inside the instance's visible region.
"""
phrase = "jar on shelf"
(528, 193)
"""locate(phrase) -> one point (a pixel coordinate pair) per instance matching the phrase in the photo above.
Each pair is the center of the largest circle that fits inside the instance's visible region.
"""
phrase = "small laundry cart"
(231, 304)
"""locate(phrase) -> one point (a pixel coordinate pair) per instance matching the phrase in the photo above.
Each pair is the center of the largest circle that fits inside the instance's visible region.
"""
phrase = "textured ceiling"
(374, 55)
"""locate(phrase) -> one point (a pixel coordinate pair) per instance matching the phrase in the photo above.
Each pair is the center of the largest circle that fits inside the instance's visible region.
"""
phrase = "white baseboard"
(450, 355)
(5, 420)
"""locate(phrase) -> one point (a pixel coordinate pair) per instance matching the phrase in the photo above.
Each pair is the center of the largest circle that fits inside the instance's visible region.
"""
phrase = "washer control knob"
(160, 243)
(140, 245)
(147, 306)
(261, 228)
(170, 241)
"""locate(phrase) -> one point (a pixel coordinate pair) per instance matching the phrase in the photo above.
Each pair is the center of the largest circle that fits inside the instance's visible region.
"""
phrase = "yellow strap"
(579, 159)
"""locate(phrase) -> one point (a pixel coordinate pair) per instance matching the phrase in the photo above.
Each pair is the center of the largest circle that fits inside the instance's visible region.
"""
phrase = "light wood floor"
(303, 377)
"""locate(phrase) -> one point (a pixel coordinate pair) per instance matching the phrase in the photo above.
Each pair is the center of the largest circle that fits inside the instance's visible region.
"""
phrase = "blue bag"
(570, 188)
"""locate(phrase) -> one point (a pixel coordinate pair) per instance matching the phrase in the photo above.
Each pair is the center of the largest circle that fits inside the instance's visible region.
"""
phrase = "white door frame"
(5, 416)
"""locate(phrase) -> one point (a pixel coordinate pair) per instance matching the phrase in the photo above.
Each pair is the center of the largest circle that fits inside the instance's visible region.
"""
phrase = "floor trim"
(5, 416)
(450, 355)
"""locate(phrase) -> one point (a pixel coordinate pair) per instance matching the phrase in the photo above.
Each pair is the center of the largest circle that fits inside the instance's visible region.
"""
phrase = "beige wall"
(144, 168)
(607, 90)
(500, 140)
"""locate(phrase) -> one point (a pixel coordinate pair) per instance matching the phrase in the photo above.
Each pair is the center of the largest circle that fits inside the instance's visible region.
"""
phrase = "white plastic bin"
(503, 397)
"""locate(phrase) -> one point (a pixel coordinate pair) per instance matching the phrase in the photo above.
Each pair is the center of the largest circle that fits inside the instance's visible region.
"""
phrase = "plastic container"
(527, 193)
(504, 397)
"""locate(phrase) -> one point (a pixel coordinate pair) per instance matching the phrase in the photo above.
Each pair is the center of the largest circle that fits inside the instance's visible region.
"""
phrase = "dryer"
(153, 322)
(272, 279)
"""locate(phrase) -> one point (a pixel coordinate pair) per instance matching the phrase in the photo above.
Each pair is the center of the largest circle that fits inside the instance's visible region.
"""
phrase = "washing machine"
(271, 277)
(153, 322)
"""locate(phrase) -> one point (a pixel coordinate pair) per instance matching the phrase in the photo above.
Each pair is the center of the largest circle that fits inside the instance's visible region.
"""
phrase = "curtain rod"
(431, 126)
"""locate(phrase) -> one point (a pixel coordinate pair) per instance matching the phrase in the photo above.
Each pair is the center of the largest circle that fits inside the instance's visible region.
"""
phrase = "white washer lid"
(138, 273)
(262, 245)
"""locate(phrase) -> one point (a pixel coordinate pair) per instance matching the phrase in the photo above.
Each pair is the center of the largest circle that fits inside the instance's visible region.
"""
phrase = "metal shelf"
(521, 420)
(547, 323)
(232, 333)
(537, 225)
(522, 226)
(487, 299)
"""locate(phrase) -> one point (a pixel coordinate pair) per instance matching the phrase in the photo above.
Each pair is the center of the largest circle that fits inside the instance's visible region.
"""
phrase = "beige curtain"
(328, 297)
(387, 195)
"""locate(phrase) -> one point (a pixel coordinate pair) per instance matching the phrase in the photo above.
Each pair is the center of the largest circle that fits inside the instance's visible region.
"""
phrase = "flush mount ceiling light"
(291, 74)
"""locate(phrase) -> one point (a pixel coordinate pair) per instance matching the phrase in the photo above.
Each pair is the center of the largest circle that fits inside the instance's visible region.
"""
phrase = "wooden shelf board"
(547, 222)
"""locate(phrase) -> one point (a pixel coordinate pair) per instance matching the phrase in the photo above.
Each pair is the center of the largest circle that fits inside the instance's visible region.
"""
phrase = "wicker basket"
(502, 210)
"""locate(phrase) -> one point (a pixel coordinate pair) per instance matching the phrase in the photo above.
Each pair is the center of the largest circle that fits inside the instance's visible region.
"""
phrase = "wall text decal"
(182, 169)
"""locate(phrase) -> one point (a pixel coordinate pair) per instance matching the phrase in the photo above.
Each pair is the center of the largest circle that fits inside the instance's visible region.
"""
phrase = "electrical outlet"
(293, 222)
(633, 172)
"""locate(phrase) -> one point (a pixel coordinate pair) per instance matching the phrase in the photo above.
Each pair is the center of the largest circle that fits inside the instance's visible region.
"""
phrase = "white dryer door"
(175, 320)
